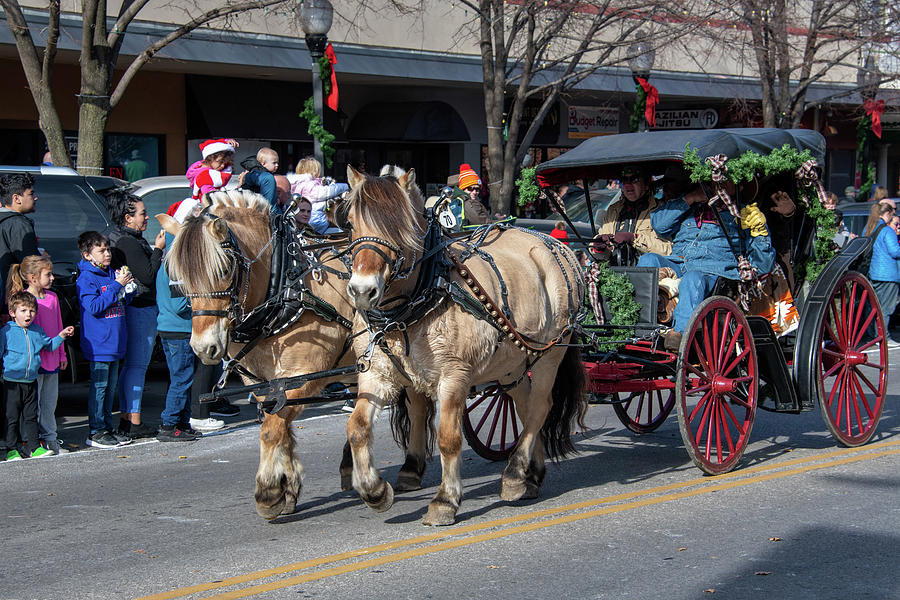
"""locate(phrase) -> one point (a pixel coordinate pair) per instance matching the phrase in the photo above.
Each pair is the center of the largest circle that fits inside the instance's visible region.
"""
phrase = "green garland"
(325, 75)
(862, 138)
(640, 107)
(618, 293)
(779, 160)
(318, 131)
(528, 187)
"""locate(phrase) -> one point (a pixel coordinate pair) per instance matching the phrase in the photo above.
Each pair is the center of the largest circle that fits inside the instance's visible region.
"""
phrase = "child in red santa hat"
(214, 171)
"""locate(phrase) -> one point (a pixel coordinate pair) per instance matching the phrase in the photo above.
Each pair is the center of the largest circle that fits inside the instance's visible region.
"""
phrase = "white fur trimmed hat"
(212, 146)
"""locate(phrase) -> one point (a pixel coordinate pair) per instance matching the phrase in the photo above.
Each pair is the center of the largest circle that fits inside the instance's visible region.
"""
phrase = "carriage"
(730, 362)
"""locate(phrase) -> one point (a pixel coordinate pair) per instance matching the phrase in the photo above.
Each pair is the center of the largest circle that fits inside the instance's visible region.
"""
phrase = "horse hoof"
(408, 482)
(511, 491)
(385, 501)
(271, 511)
(289, 508)
(440, 514)
(346, 482)
(531, 491)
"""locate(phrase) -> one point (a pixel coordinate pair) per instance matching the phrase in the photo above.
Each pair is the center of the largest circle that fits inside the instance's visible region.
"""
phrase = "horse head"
(220, 259)
(386, 227)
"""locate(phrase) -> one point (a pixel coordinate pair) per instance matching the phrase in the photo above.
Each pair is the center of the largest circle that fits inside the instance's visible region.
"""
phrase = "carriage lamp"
(640, 60)
(315, 18)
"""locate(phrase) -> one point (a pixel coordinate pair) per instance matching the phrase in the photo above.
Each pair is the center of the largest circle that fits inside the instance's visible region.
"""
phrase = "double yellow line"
(538, 520)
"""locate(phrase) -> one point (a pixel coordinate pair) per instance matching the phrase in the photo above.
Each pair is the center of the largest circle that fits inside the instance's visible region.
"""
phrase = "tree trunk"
(92, 117)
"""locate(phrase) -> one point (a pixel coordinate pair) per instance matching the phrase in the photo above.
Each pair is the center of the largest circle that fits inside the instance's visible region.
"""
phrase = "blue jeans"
(104, 376)
(141, 325)
(693, 289)
(180, 359)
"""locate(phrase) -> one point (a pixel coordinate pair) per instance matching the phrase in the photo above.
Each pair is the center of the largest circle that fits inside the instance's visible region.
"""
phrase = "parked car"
(159, 193)
(855, 215)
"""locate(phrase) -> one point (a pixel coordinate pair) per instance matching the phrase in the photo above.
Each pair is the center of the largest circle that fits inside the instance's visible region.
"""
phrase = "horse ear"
(168, 224)
(408, 180)
(354, 177)
(220, 228)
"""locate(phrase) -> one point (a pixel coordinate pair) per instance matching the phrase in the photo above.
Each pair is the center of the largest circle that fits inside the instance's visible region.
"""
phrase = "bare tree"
(539, 49)
(100, 47)
(797, 44)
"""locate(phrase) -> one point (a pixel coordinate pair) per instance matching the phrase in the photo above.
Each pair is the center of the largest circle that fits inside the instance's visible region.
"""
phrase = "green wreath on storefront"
(780, 160)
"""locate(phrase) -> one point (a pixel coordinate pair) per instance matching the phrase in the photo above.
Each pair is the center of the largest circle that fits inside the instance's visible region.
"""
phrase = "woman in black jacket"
(130, 249)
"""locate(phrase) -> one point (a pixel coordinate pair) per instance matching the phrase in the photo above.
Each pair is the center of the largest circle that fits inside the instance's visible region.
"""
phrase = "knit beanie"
(467, 176)
(212, 146)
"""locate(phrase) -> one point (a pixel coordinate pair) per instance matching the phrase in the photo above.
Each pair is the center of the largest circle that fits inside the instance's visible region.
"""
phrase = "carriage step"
(772, 367)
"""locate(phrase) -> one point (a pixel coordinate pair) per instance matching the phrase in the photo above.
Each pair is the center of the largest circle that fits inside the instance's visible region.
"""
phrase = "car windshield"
(158, 201)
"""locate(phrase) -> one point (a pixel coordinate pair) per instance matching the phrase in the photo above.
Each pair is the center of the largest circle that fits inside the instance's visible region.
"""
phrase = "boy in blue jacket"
(21, 342)
(103, 335)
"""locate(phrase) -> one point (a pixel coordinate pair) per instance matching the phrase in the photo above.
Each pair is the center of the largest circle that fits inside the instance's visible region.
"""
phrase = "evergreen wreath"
(779, 160)
(862, 138)
(316, 128)
(528, 187)
(618, 293)
(640, 106)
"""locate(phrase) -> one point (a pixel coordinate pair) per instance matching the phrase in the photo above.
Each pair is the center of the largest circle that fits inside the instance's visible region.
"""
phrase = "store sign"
(689, 118)
(591, 121)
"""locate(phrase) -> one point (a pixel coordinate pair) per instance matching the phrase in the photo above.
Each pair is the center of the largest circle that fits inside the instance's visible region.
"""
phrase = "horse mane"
(388, 211)
(395, 172)
(196, 259)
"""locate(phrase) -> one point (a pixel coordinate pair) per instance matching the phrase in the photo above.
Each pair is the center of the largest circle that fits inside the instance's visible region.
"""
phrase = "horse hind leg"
(533, 406)
(418, 413)
(279, 479)
(346, 469)
(537, 469)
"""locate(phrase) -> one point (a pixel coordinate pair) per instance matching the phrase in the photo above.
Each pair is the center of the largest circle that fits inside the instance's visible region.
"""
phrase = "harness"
(287, 296)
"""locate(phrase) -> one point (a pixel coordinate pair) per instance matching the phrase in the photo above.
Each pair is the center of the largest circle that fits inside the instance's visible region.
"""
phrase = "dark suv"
(67, 204)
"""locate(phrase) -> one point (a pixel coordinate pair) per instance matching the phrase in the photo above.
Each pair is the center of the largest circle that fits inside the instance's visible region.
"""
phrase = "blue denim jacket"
(704, 248)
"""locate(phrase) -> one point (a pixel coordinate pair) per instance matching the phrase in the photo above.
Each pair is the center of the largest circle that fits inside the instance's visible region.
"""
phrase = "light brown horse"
(446, 351)
(200, 260)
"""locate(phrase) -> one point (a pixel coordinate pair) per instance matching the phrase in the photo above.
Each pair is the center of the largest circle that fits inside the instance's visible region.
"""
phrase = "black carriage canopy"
(604, 156)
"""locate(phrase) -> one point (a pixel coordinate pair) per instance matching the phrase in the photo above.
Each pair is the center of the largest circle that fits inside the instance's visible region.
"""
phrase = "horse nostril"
(372, 294)
(351, 290)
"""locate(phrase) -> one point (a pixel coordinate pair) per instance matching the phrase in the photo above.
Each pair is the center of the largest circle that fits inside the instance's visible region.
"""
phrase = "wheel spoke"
(503, 424)
(704, 403)
(878, 340)
(481, 399)
(737, 359)
(515, 424)
(861, 330)
(493, 429)
(861, 395)
(862, 376)
(723, 408)
(856, 330)
(848, 315)
(698, 389)
(487, 412)
(834, 337)
(738, 399)
(837, 365)
(710, 356)
(721, 354)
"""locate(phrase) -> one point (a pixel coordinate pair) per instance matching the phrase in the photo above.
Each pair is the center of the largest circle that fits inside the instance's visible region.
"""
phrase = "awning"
(433, 121)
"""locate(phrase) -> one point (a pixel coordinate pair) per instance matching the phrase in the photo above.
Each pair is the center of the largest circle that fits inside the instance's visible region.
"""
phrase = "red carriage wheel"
(490, 423)
(646, 410)
(853, 360)
(716, 385)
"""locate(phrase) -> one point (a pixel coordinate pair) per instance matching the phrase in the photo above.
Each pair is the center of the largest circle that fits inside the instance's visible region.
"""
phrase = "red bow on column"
(652, 101)
(332, 100)
(875, 110)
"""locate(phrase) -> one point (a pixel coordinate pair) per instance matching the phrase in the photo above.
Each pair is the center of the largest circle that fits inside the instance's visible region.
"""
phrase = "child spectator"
(559, 232)
(260, 176)
(103, 333)
(309, 183)
(21, 341)
(214, 171)
(35, 276)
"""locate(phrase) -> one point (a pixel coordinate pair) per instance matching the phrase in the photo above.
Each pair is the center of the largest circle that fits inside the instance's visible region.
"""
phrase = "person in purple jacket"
(102, 299)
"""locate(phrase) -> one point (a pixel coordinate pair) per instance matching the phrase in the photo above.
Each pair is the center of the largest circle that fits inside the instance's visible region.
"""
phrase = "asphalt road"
(628, 517)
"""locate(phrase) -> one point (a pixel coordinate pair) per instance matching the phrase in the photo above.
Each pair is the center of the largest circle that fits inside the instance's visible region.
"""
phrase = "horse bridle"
(239, 284)
(373, 243)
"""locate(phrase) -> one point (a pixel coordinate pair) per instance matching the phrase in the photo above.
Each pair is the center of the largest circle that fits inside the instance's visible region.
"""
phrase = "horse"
(222, 260)
(441, 349)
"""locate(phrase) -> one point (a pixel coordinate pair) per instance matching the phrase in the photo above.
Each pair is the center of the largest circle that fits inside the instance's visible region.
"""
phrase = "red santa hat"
(467, 176)
(212, 146)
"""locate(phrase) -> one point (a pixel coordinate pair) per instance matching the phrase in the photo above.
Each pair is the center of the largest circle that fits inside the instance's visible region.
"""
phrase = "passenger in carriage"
(701, 252)
(631, 215)
(320, 191)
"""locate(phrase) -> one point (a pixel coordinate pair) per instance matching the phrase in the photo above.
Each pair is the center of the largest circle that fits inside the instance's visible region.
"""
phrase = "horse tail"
(400, 423)
(569, 406)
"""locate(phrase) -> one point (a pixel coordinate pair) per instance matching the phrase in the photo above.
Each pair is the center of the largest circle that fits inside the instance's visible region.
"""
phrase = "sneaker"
(348, 406)
(121, 439)
(185, 427)
(209, 424)
(102, 439)
(55, 447)
(41, 452)
(13, 455)
(223, 408)
(139, 431)
(174, 434)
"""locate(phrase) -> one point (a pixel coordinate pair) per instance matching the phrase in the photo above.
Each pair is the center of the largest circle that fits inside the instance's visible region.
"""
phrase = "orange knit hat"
(467, 176)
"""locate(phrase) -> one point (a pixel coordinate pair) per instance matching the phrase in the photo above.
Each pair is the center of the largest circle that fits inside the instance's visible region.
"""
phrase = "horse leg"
(373, 490)
(346, 468)
(279, 478)
(410, 476)
(533, 408)
(537, 469)
(443, 507)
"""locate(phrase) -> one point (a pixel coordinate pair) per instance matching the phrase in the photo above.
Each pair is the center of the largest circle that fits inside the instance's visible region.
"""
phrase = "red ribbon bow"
(652, 101)
(332, 100)
(875, 110)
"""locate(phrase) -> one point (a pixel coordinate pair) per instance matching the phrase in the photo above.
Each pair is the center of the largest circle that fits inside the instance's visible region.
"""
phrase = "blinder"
(239, 264)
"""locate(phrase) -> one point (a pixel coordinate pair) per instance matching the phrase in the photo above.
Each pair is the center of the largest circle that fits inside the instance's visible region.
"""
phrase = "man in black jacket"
(17, 238)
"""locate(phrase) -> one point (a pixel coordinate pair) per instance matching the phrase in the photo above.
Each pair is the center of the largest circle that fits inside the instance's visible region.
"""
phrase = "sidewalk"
(71, 410)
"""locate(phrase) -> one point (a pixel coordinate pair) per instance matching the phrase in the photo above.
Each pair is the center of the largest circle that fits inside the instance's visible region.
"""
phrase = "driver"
(701, 252)
(631, 215)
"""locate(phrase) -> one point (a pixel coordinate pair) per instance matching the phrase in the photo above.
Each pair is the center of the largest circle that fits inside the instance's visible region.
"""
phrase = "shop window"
(133, 157)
